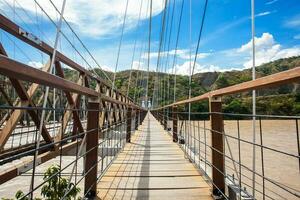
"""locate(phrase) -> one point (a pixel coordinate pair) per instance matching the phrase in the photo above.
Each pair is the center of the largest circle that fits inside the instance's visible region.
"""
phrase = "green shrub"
(54, 188)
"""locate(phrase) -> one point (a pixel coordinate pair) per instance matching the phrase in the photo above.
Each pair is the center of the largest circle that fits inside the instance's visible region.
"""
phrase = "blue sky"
(225, 42)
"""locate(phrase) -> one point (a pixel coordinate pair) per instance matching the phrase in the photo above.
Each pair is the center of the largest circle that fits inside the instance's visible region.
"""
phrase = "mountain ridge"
(288, 103)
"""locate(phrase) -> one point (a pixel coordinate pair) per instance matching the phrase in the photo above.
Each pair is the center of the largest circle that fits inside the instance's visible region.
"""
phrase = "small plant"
(54, 188)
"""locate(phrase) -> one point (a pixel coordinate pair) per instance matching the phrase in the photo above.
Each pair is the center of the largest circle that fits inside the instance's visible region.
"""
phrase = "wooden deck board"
(152, 167)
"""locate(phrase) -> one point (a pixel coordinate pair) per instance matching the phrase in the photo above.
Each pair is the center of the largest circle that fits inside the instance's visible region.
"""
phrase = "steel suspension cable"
(58, 31)
(149, 49)
(168, 50)
(134, 48)
(253, 95)
(190, 69)
(176, 46)
(27, 15)
(39, 28)
(138, 72)
(160, 42)
(138, 75)
(199, 37)
(137, 78)
(163, 66)
(120, 44)
(81, 42)
(159, 67)
(15, 14)
(68, 40)
(140, 57)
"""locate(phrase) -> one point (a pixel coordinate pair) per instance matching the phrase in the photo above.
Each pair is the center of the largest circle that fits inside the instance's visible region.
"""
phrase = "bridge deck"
(152, 167)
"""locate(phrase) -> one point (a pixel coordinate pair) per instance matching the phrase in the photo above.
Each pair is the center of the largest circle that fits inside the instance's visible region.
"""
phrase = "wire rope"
(134, 48)
(253, 95)
(81, 42)
(149, 49)
(47, 92)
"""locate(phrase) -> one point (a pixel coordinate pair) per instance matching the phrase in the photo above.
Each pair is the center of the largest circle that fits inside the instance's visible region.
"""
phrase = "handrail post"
(141, 117)
(128, 130)
(165, 120)
(160, 114)
(91, 158)
(217, 128)
(136, 119)
(175, 123)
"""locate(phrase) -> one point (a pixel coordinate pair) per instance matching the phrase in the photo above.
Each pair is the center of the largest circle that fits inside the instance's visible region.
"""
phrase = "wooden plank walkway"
(152, 167)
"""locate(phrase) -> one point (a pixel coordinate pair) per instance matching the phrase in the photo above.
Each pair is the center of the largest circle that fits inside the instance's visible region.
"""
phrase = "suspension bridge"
(103, 144)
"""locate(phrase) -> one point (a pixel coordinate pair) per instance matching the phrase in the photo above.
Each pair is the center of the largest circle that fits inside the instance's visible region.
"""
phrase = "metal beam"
(25, 100)
(15, 30)
(20, 71)
(72, 99)
(6, 97)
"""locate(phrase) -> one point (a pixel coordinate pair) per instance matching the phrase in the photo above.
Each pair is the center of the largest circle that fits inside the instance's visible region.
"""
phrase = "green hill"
(281, 100)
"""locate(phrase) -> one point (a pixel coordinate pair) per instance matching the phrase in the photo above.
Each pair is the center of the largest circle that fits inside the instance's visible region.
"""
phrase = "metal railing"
(86, 122)
(96, 146)
(231, 172)
(277, 167)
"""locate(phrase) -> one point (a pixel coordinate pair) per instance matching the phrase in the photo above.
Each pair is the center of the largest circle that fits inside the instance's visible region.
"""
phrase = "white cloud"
(266, 50)
(138, 65)
(263, 14)
(107, 68)
(35, 64)
(184, 69)
(94, 17)
(271, 2)
(265, 41)
(203, 55)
